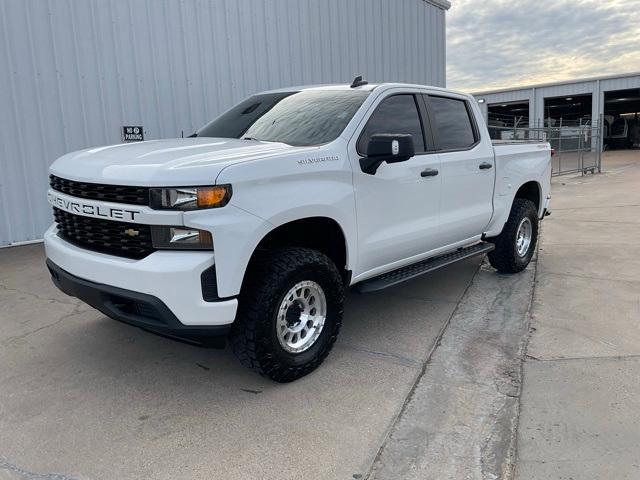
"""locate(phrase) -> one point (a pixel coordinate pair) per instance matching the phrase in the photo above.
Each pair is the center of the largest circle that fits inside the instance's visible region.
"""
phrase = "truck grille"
(105, 236)
(98, 191)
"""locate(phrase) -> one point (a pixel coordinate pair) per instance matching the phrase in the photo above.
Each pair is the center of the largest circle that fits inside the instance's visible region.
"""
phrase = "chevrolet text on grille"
(98, 210)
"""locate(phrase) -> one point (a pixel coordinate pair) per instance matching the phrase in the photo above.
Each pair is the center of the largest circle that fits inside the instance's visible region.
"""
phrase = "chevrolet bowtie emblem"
(131, 232)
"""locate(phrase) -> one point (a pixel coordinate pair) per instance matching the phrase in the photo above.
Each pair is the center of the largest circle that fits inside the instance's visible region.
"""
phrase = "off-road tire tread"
(504, 258)
(248, 336)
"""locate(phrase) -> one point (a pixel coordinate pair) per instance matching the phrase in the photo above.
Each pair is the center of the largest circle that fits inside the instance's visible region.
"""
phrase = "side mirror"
(387, 147)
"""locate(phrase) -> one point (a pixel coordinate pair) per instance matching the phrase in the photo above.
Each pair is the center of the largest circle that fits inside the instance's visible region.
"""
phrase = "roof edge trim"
(553, 84)
(443, 4)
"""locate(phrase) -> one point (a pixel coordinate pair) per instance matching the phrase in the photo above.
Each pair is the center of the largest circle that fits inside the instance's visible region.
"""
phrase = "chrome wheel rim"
(301, 317)
(523, 237)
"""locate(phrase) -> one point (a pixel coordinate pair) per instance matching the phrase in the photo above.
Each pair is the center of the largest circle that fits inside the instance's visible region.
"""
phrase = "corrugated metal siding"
(506, 97)
(525, 95)
(74, 71)
(570, 89)
(620, 83)
(537, 95)
(611, 84)
(578, 88)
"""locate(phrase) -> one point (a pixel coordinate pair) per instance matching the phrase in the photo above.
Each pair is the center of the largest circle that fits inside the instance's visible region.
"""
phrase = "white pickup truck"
(252, 228)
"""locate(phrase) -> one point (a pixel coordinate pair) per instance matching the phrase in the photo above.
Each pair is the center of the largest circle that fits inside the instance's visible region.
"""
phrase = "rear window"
(453, 123)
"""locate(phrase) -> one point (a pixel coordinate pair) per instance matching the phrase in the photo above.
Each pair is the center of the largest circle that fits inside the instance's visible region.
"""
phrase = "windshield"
(309, 117)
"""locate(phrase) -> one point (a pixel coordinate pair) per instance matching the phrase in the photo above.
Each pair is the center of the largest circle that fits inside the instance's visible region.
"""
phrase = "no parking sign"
(132, 134)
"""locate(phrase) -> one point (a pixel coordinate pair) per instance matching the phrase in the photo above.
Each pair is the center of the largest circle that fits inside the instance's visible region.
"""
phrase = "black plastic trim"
(137, 309)
(413, 270)
(348, 275)
(104, 236)
(127, 194)
(427, 123)
(209, 285)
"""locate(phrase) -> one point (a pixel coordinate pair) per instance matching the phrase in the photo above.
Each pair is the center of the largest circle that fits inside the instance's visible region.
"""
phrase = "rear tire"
(517, 242)
(290, 313)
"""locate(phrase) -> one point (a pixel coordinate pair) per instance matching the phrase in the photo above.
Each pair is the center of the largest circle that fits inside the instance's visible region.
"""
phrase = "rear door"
(397, 208)
(467, 169)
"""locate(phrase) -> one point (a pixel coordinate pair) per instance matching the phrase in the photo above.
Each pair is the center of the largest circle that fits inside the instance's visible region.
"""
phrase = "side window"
(396, 114)
(453, 124)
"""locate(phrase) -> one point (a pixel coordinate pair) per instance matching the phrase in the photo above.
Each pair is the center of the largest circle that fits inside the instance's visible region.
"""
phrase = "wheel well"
(319, 233)
(530, 191)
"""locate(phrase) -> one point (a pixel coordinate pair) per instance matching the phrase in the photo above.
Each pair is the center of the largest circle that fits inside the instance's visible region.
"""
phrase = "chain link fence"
(578, 146)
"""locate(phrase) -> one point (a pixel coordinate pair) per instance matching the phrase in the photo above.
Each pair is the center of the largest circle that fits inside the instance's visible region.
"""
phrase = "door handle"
(429, 172)
(485, 166)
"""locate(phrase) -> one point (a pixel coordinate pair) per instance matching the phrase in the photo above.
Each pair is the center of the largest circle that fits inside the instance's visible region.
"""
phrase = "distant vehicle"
(617, 133)
(253, 229)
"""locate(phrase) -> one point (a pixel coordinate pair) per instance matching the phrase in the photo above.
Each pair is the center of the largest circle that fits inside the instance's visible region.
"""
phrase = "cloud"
(506, 43)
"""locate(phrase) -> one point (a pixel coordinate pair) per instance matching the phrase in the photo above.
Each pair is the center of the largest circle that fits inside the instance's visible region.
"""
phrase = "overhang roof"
(444, 4)
(553, 84)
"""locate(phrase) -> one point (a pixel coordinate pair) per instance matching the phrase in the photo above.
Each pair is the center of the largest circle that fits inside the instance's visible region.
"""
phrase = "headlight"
(181, 238)
(189, 198)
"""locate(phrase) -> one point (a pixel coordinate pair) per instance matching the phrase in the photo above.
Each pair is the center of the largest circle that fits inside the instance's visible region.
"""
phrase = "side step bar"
(416, 269)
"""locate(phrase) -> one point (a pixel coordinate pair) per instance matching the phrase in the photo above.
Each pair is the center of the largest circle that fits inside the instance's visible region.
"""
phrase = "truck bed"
(508, 151)
(515, 142)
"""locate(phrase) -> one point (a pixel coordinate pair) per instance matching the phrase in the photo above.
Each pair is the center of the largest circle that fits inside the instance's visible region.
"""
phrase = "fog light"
(181, 238)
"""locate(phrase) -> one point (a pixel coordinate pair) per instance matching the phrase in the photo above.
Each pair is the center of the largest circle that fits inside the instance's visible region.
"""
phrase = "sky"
(506, 43)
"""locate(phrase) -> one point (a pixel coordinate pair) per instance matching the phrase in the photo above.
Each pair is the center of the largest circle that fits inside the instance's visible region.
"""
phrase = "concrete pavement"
(580, 405)
(425, 381)
(459, 420)
(84, 396)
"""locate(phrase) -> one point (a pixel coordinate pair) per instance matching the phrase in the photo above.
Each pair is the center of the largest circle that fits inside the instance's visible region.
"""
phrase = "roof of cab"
(367, 88)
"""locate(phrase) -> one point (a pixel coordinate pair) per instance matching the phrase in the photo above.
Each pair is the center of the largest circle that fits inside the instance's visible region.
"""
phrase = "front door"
(397, 207)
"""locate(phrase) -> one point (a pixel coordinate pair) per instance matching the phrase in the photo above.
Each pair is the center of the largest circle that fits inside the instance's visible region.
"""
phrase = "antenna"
(358, 82)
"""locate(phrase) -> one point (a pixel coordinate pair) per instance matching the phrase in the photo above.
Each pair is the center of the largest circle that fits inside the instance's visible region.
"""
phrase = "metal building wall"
(73, 72)
(610, 84)
(536, 95)
(578, 88)
(507, 97)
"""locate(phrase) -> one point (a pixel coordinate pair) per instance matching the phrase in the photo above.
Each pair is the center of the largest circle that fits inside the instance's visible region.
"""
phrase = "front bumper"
(172, 278)
(138, 309)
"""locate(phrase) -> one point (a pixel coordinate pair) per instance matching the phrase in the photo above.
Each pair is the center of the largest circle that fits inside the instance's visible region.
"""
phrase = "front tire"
(290, 313)
(517, 242)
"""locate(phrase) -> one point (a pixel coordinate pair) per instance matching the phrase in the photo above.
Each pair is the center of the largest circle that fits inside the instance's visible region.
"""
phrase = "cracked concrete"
(425, 381)
(459, 421)
(93, 398)
(580, 414)
(75, 311)
(9, 471)
(39, 297)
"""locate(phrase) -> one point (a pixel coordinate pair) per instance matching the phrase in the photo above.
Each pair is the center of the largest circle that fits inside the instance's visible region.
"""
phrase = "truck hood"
(174, 162)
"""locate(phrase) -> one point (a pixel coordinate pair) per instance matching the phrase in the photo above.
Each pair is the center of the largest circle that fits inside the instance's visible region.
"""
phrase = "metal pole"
(549, 139)
(580, 146)
(600, 141)
(580, 149)
(560, 146)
